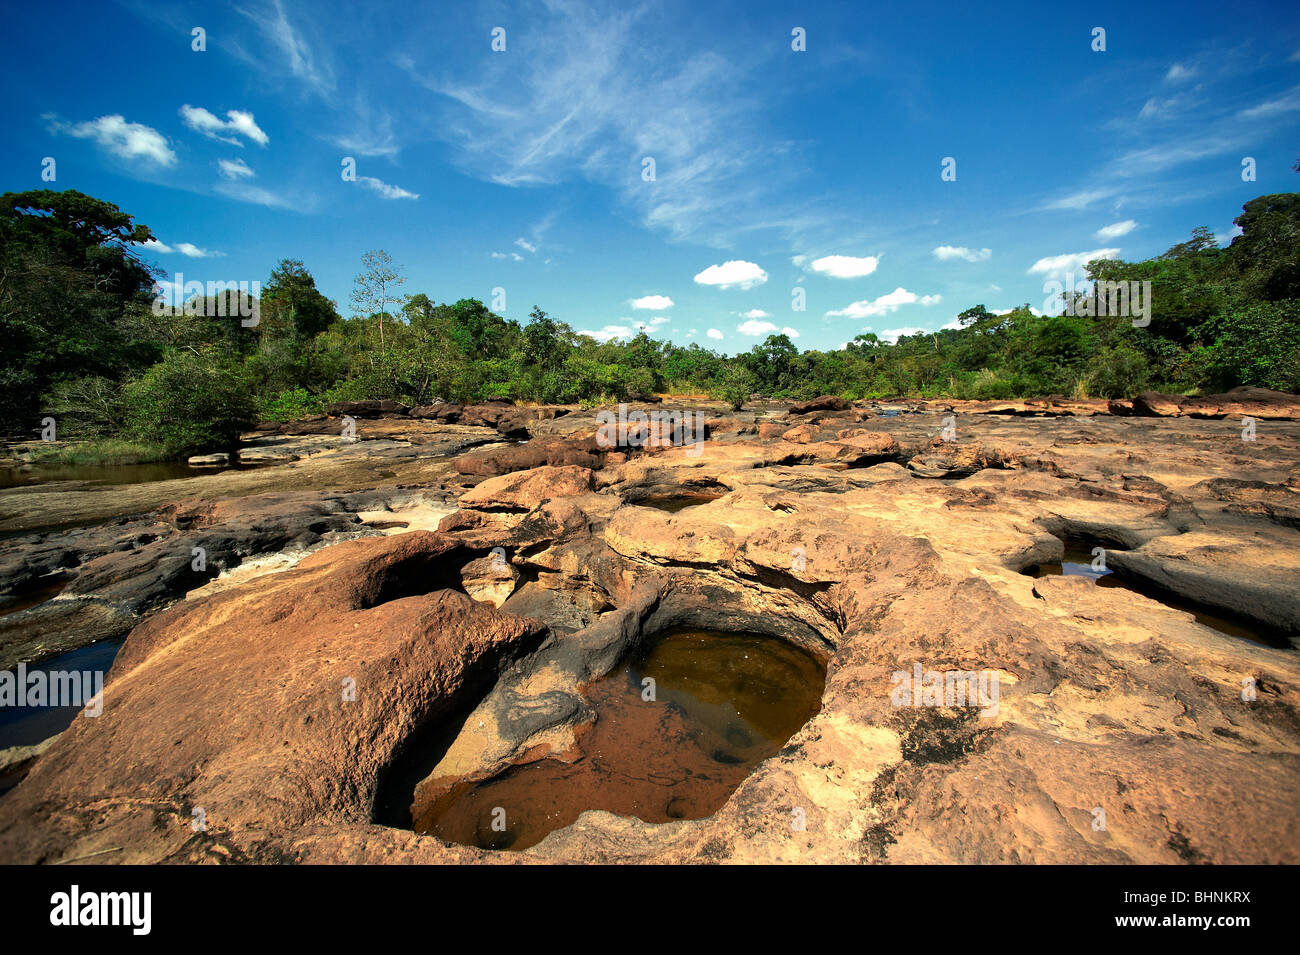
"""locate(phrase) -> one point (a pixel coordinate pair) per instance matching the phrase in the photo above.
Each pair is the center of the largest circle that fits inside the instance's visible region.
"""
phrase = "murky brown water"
(723, 702)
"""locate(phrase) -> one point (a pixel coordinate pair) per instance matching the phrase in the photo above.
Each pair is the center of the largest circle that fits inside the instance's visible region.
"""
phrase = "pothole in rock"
(675, 502)
(721, 704)
(1079, 560)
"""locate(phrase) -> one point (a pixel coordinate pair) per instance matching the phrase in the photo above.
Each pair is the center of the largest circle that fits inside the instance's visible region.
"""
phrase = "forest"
(83, 342)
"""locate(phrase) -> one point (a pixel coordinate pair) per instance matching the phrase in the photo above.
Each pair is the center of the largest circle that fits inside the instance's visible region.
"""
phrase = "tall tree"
(376, 288)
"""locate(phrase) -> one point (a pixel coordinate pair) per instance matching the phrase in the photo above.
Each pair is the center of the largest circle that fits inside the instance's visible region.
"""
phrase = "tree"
(68, 275)
(291, 301)
(375, 288)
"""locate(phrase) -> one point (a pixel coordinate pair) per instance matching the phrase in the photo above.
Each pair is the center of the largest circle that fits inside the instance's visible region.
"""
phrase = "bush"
(1257, 345)
(190, 403)
(290, 405)
(1118, 372)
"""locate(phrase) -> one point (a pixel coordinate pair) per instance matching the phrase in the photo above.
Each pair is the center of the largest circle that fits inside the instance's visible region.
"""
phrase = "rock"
(270, 715)
(490, 579)
(824, 403)
(219, 459)
(525, 490)
(536, 453)
(446, 412)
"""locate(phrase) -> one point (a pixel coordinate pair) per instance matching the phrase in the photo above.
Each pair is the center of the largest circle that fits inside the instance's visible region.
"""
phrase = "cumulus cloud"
(234, 169)
(610, 332)
(1115, 230)
(187, 249)
(1070, 260)
(755, 313)
(736, 273)
(525, 245)
(845, 266)
(946, 252)
(236, 124)
(652, 302)
(714, 333)
(657, 322)
(755, 327)
(884, 304)
(891, 335)
(121, 138)
(385, 190)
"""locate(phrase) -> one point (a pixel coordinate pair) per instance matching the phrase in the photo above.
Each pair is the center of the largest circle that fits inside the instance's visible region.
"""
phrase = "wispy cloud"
(290, 45)
(234, 169)
(187, 249)
(563, 112)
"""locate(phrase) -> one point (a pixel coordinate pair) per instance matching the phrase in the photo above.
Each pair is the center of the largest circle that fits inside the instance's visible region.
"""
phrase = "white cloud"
(507, 255)
(187, 249)
(755, 313)
(1287, 103)
(946, 252)
(892, 335)
(714, 333)
(525, 245)
(610, 332)
(123, 139)
(736, 273)
(845, 266)
(657, 322)
(561, 112)
(1079, 200)
(799, 260)
(259, 196)
(1070, 260)
(293, 48)
(1115, 230)
(1177, 73)
(652, 302)
(237, 123)
(884, 304)
(790, 332)
(755, 327)
(234, 169)
(385, 190)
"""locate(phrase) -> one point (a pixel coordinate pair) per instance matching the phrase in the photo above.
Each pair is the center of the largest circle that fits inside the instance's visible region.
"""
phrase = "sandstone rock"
(536, 453)
(525, 490)
(271, 715)
(823, 403)
(209, 460)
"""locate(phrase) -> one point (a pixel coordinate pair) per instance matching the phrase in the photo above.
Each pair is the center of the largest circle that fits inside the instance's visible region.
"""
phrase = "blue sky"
(774, 169)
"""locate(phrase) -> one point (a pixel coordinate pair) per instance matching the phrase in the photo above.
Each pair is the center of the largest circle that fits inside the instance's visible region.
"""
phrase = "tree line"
(81, 340)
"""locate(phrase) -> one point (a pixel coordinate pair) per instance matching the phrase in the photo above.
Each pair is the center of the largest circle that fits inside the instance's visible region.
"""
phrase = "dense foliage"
(80, 339)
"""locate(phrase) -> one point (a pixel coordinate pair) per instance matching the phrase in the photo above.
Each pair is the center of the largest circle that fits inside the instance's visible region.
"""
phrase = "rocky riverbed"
(380, 625)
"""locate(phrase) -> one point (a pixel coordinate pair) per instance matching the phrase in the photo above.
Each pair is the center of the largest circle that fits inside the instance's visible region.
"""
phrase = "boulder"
(823, 403)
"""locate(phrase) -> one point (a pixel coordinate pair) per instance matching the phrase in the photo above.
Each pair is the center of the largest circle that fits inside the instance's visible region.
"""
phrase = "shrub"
(190, 403)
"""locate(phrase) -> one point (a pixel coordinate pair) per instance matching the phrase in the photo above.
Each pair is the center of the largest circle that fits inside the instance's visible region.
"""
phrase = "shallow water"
(110, 473)
(23, 726)
(1078, 560)
(723, 702)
